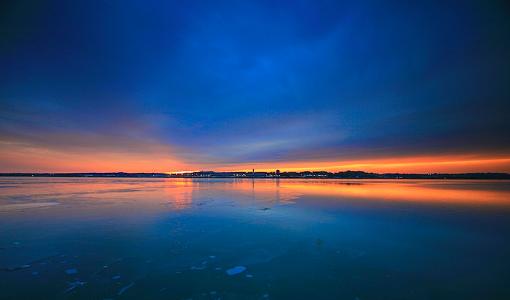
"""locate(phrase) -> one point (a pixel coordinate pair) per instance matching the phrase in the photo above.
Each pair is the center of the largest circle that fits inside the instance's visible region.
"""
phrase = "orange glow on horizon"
(432, 164)
(16, 158)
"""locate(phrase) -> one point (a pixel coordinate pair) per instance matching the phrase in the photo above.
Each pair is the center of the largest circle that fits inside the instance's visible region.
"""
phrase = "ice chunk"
(71, 271)
(12, 269)
(73, 285)
(236, 270)
(123, 289)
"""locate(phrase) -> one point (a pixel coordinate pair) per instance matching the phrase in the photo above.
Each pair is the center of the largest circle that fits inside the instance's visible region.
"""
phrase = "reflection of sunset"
(401, 191)
(263, 190)
(180, 193)
(183, 190)
(378, 190)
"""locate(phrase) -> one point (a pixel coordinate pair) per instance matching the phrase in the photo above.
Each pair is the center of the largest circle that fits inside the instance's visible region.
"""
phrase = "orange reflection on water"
(411, 191)
(178, 194)
(183, 191)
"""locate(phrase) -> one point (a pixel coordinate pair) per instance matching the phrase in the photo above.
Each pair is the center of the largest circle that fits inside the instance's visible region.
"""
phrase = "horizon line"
(255, 171)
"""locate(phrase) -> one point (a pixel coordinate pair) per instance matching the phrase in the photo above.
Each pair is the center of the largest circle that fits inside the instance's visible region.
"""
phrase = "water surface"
(110, 238)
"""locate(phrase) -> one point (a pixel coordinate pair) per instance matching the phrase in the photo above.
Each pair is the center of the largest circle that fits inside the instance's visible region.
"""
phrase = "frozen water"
(236, 270)
(125, 288)
(73, 285)
(321, 239)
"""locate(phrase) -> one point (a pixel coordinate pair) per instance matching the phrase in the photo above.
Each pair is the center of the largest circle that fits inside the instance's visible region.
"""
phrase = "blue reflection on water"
(329, 239)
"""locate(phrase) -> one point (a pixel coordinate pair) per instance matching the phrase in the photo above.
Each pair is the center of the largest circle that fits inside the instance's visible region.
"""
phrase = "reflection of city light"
(180, 193)
(261, 190)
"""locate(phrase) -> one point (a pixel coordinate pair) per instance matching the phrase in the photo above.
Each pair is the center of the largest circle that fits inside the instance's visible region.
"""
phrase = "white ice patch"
(236, 270)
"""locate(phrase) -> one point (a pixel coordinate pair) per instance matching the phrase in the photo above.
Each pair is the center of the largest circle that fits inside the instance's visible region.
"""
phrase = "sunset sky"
(163, 86)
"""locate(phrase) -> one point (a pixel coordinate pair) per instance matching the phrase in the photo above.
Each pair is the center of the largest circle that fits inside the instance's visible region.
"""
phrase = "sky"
(164, 86)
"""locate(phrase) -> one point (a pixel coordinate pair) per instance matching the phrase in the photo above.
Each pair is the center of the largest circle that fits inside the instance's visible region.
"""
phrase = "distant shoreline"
(272, 175)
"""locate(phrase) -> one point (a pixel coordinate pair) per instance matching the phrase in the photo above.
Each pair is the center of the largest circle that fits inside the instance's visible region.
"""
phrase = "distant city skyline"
(277, 174)
(152, 86)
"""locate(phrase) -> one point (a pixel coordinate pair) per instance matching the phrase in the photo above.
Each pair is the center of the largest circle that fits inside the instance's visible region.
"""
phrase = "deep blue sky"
(214, 84)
